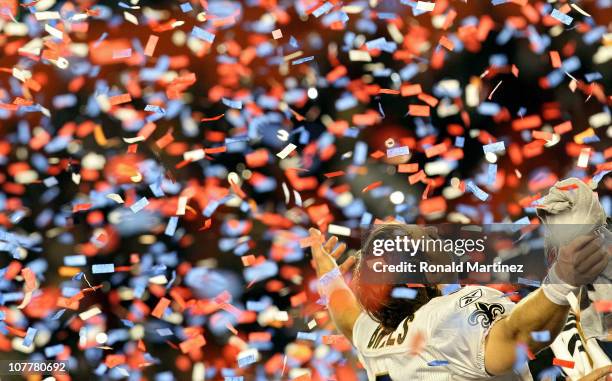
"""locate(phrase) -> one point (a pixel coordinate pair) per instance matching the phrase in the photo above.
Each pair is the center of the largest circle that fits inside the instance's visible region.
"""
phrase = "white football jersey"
(444, 341)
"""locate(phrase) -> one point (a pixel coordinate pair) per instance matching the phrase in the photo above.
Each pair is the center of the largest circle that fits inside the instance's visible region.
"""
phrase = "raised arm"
(341, 302)
(545, 309)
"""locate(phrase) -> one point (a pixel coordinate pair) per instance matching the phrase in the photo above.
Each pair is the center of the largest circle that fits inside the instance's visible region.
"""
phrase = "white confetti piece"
(133, 140)
(339, 230)
(54, 32)
(90, 313)
(42, 16)
(182, 204)
(359, 56)
(425, 6)
(115, 197)
(286, 192)
(286, 151)
(583, 159)
(130, 18)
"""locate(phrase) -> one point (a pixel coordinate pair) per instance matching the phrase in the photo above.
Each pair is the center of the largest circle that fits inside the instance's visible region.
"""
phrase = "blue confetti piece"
(404, 293)
(322, 9)
(164, 332)
(541, 336)
(552, 373)
(302, 60)
(75, 260)
(491, 174)
(50, 181)
(231, 103)
(520, 223)
(171, 227)
(139, 205)
(29, 337)
(103, 268)
(58, 314)
(590, 77)
(450, 288)
(307, 336)
(494, 147)
(528, 282)
(293, 42)
(360, 152)
(54, 350)
(590, 139)
(476, 191)
(438, 363)
(521, 357)
(459, 141)
(202, 34)
(186, 7)
(397, 151)
(565, 19)
(99, 40)
(597, 178)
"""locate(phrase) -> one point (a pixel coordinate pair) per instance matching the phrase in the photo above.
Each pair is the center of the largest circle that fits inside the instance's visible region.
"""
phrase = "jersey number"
(383, 377)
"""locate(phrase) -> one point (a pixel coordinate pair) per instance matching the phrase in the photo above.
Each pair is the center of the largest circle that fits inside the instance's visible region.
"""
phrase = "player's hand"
(582, 260)
(600, 374)
(325, 256)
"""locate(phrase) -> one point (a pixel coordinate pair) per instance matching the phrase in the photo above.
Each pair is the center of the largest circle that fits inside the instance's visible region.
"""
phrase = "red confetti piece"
(563, 363)
(374, 185)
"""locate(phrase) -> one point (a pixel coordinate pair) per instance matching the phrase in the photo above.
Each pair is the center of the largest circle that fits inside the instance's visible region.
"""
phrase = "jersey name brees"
(383, 338)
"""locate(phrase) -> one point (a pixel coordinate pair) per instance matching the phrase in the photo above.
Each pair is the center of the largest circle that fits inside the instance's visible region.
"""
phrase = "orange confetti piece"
(408, 168)
(212, 118)
(603, 305)
(374, 185)
(413, 179)
(206, 225)
(408, 90)
(555, 59)
(160, 308)
(515, 71)
(562, 128)
(433, 205)
(80, 207)
(193, 343)
(330, 175)
(528, 122)
(448, 44)
(544, 135)
(99, 135)
(436, 150)
(165, 140)
(151, 44)
(418, 110)
(120, 99)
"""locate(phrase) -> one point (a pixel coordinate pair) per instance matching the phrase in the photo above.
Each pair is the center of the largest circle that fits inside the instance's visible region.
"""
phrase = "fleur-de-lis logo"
(485, 314)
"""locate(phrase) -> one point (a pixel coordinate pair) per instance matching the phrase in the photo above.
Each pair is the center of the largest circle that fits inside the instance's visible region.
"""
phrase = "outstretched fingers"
(346, 266)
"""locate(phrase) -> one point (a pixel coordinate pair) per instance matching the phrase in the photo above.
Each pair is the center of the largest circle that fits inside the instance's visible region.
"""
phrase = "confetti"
(103, 268)
(139, 205)
(123, 120)
(286, 151)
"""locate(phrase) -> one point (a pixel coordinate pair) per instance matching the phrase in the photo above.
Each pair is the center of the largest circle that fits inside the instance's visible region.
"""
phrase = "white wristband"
(556, 290)
(330, 282)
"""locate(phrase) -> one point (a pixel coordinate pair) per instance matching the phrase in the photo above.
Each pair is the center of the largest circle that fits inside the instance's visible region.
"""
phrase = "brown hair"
(376, 299)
